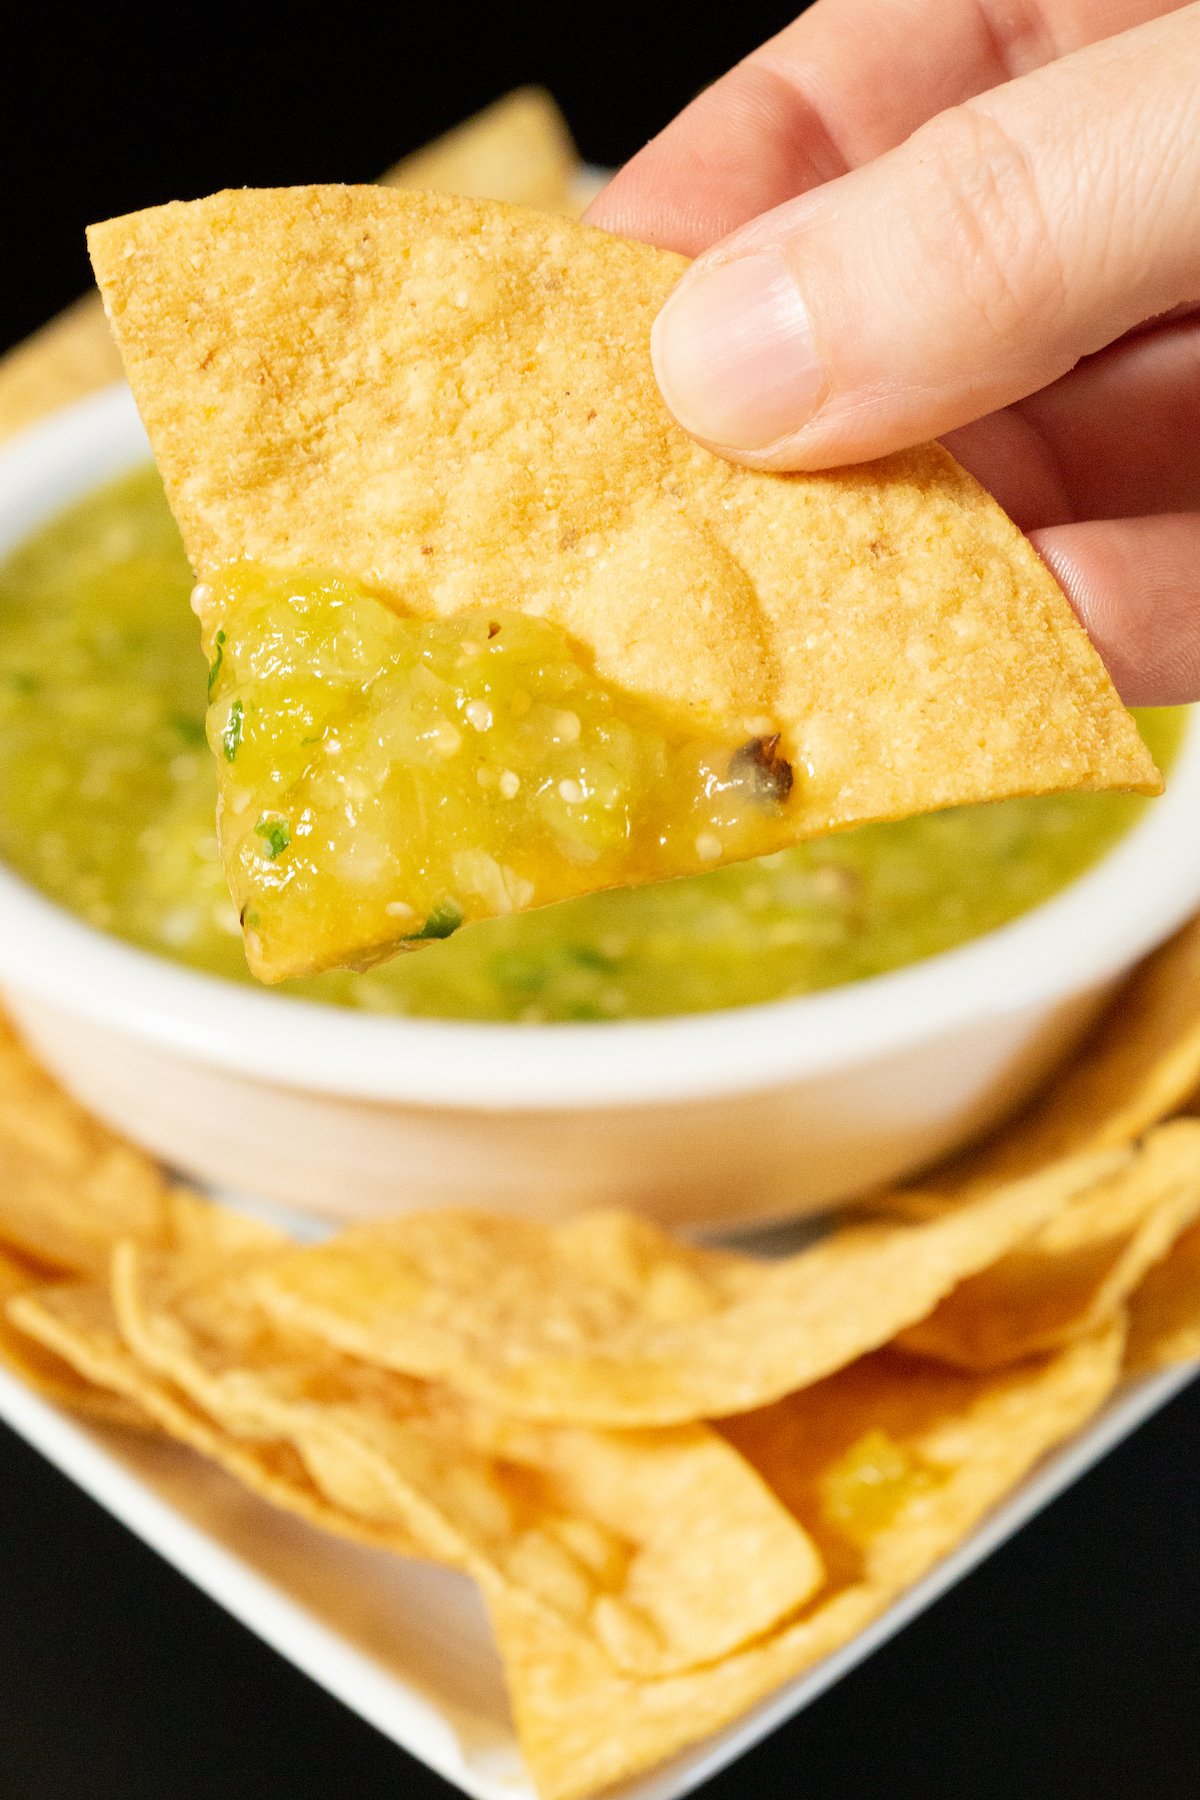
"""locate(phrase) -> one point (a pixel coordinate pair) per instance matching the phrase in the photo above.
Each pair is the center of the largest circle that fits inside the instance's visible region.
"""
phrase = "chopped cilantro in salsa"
(277, 833)
(231, 736)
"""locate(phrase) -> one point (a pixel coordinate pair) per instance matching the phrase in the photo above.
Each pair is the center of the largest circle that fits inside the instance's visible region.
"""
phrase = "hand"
(973, 219)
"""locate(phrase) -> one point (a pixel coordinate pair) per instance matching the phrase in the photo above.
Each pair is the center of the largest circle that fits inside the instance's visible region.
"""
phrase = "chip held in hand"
(380, 414)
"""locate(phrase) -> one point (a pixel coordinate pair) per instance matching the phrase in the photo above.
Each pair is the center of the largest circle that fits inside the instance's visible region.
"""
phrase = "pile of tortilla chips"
(680, 1476)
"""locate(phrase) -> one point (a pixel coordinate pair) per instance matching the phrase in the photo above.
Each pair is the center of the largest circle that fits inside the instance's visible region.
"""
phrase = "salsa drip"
(385, 779)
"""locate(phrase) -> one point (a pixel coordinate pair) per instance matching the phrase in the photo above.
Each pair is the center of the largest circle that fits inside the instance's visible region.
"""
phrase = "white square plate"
(406, 1645)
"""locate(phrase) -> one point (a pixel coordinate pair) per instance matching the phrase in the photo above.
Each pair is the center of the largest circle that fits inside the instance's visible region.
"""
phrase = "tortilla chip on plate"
(1164, 1316)
(74, 1321)
(517, 149)
(1139, 1063)
(605, 1320)
(583, 1727)
(69, 1187)
(1077, 1270)
(448, 406)
(666, 1546)
(41, 1368)
(71, 356)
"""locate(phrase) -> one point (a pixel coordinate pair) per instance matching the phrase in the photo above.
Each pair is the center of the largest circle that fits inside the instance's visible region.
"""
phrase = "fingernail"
(734, 354)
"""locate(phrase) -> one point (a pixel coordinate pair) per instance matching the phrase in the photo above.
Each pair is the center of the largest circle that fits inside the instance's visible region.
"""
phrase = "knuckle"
(982, 221)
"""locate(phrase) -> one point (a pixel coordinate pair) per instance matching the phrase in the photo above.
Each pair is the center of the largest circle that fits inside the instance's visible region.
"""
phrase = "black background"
(108, 107)
(1069, 1665)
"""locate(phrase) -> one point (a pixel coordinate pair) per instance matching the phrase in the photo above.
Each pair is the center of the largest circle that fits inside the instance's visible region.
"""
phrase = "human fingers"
(966, 269)
(1135, 584)
(844, 82)
(1117, 437)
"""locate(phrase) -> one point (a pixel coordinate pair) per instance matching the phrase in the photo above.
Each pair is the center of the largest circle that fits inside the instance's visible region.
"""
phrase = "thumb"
(965, 269)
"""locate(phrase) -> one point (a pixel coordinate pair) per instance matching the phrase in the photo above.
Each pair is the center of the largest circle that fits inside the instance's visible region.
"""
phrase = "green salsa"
(384, 779)
(108, 793)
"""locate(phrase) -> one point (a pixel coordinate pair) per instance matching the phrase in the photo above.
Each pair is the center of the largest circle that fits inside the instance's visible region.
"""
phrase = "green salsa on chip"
(107, 803)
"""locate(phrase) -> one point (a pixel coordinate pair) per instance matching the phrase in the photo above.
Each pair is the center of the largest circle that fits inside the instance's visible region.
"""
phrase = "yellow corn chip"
(605, 1320)
(452, 405)
(1164, 1317)
(40, 1368)
(665, 1546)
(518, 149)
(75, 1322)
(67, 359)
(68, 1187)
(68, 1190)
(1140, 1063)
(1077, 1270)
(583, 1727)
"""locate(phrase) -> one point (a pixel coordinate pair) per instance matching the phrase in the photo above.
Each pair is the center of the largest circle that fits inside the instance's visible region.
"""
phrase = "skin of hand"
(970, 219)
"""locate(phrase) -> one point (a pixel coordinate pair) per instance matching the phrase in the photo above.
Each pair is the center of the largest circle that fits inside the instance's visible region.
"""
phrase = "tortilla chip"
(582, 1727)
(1138, 1064)
(607, 1321)
(518, 149)
(75, 1322)
(68, 1186)
(666, 1546)
(452, 404)
(1164, 1317)
(69, 1189)
(72, 356)
(40, 1368)
(1077, 1270)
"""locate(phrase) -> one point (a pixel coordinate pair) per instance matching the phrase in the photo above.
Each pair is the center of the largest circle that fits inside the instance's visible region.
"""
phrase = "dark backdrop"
(108, 107)
(1069, 1665)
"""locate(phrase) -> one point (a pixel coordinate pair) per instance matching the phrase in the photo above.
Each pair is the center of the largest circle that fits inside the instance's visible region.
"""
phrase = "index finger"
(846, 81)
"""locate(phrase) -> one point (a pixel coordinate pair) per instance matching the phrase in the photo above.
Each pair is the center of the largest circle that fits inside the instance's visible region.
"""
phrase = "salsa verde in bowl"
(644, 1012)
(108, 799)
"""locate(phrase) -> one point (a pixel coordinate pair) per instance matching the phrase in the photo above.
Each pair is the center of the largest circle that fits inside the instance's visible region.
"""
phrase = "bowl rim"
(1078, 940)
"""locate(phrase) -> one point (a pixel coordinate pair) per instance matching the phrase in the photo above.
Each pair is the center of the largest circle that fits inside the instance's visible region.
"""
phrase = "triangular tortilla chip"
(68, 1186)
(517, 149)
(451, 404)
(70, 1189)
(1078, 1270)
(606, 1320)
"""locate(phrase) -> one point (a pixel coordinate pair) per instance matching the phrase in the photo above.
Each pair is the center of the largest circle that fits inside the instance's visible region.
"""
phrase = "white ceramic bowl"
(717, 1121)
